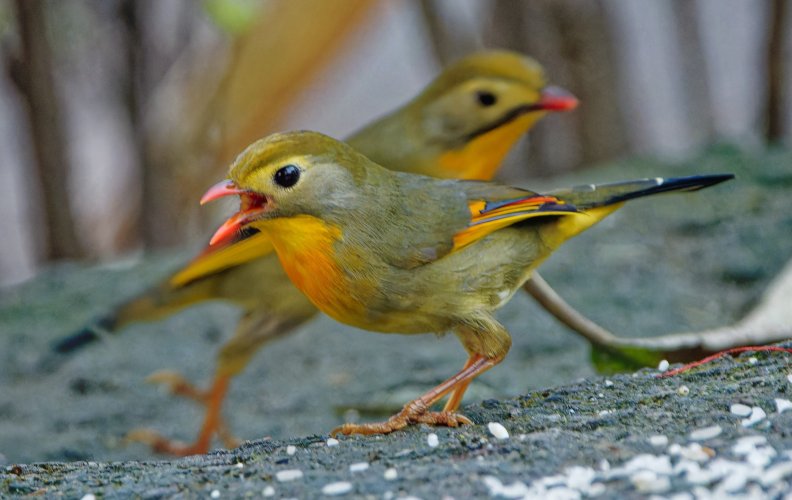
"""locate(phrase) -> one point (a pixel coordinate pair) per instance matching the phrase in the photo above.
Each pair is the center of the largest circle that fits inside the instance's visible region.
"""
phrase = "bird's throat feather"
(481, 157)
(306, 247)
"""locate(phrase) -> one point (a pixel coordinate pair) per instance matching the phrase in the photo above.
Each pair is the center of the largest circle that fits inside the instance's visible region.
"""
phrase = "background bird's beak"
(556, 99)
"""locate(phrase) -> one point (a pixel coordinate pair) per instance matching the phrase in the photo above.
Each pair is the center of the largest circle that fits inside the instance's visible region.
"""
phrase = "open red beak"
(556, 99)
(219, 190)
(252, 205)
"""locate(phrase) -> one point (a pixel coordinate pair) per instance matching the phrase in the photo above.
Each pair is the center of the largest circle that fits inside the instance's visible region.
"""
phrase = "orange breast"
(306, 248)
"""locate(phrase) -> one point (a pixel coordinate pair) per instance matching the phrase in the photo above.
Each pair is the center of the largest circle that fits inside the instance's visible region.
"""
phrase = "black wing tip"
(660, 185)
(700, 181)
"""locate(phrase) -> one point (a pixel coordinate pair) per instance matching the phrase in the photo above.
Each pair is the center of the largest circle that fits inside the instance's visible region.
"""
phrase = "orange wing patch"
(488, 217)
(213, 260)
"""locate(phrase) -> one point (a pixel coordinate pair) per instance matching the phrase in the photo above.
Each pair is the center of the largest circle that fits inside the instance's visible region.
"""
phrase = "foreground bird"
(461, 126)
(394, 252)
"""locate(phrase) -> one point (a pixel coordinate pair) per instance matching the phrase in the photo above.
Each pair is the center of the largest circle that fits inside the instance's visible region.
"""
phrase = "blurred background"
(115, 115)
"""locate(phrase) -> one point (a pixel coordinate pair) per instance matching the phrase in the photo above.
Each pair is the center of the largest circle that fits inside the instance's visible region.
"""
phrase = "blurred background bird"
(399, 253)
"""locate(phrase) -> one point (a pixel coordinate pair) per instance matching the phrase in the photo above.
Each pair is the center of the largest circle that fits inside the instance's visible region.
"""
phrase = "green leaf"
(615, 359)
(233, 16)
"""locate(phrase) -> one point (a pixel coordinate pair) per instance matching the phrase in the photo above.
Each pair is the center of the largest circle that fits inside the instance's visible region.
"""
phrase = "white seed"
(288, 475)
(498, 430)
(647, 481)
(663, 366)
(695, 452)
(358, 467)
(269, 491)
(337, 488)
(332, 442)
(748, 444)
(608, 383)
(595, 490)
(291, 450)
(239, 465)
(215, 494)
(390, 474)
(783, 405)
(753, 360)
(658, 441)
(683, 390)
(740, 410)
(660, 464)
(517, 489)
(757, 415)
(432, 440)
(706, 433)
(776, 473)
(88, 496)
(578, 477)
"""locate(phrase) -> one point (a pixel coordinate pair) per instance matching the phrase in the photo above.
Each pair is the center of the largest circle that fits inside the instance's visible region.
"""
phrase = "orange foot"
(213, 423)
(415, 412)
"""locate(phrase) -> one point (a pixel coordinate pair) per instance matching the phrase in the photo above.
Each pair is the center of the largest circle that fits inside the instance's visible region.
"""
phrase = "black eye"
(287, 176)
(486, 98)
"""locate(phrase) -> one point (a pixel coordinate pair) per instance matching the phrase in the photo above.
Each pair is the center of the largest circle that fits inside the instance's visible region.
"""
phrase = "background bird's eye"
(486, 98)
(287, 176)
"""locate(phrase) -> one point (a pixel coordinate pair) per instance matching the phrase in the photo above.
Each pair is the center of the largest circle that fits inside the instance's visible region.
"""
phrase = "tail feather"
(599, 195)
(85, 336)
(595, 202)
(153, 304)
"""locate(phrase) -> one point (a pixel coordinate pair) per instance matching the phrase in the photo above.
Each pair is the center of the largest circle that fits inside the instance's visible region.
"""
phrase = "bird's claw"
(413, 413)
(178, 385)
(445, 418)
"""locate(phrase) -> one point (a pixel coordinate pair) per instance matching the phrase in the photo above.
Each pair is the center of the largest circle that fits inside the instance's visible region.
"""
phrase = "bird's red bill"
(219, 190)
(557, 99)
(252, 205)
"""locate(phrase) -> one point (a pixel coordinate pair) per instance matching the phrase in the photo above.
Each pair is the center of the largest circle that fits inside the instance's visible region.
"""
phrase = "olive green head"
(301, 173)
(483, 91)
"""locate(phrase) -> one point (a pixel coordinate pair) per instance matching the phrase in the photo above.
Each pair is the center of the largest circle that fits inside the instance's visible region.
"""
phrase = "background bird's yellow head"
(467, 119)
(479, 93)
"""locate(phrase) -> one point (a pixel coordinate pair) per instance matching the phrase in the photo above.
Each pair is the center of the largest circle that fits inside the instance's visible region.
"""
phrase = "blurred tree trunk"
(776, 72)
(32, 73)
(447, 44)
(159, 215)
(698, 104)
(193, 110)
(571, 39)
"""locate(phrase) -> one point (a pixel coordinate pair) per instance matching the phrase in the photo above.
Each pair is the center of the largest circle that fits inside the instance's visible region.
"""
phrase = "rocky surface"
(659, 265)
(627, 436)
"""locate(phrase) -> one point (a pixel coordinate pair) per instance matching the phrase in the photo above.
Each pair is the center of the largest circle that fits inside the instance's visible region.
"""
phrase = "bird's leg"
(456, 397)
(179, 386)
(416, 411)
(213, 421)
